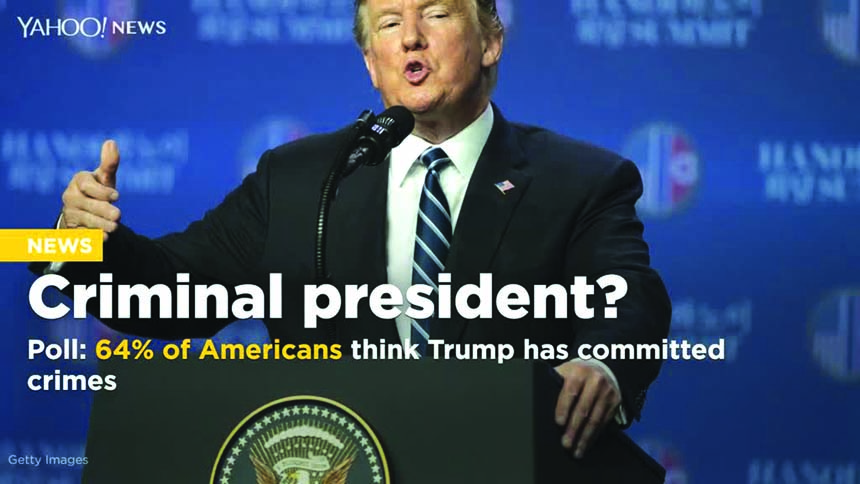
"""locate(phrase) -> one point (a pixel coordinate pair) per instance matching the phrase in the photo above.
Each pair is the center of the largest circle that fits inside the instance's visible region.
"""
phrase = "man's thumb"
(109, 164)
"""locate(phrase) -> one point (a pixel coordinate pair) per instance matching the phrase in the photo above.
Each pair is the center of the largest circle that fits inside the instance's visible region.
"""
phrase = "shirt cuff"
(620, 416)
(54, 267)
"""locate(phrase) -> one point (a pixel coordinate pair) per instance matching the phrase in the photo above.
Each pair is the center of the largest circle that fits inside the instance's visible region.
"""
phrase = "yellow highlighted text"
(51, 245)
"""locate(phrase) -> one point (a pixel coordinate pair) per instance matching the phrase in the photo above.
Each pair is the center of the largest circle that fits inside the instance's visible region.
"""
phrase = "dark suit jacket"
(571, 213)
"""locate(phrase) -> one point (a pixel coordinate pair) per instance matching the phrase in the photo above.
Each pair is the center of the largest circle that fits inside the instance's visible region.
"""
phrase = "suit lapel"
(485, 213)
(357, 244)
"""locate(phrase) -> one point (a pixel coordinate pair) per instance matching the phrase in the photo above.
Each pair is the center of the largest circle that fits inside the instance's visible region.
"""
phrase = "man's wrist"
(620, 415)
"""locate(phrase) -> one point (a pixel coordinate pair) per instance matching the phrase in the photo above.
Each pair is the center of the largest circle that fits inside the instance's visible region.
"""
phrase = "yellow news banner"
(51, 245)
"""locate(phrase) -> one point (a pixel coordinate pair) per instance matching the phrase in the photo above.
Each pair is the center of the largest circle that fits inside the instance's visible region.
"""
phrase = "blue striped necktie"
(432, 237)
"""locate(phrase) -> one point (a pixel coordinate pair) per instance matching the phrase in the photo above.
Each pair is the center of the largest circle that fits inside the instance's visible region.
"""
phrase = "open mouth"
(416, 72)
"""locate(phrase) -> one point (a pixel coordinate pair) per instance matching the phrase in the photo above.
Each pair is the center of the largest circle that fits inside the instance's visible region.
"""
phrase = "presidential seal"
(301, 440)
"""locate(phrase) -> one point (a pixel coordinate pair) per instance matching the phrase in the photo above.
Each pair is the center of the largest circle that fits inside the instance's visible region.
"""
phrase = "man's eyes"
(388, 24)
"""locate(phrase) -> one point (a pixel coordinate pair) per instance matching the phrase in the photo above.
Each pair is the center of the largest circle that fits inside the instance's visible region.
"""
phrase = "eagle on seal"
(266, 475)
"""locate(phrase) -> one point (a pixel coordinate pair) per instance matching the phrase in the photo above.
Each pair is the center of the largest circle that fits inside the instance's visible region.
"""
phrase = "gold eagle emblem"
(266, 475)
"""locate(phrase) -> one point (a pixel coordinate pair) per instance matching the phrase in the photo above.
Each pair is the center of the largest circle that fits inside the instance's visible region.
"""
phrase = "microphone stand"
(327, 196)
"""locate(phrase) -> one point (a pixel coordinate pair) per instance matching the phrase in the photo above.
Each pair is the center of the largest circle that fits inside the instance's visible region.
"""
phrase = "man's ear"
(492, 45)
(370, 64)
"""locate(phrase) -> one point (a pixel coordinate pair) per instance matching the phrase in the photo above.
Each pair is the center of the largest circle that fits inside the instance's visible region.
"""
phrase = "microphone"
(364, 119)
(390, 128)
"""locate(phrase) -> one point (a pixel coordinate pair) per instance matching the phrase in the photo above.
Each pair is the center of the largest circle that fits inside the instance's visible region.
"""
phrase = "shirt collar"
(463, 149)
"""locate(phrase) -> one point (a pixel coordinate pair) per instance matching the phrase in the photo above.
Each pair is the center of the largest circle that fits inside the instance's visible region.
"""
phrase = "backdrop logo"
(43, 162)
(701, 322)
(668, 457)
(726, 24)
(301, 440)
(115, 10)
(804, 173)
(840, 24)
(670, 168)
(273, 22)
(771, 471)
(834, 334)
(267, 134)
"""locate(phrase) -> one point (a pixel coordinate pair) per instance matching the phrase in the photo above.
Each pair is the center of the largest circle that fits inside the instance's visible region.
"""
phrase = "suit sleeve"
(223, 247)
(607, 239)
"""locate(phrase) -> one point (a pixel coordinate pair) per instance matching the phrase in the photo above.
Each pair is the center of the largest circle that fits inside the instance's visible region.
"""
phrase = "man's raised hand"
(88, 199)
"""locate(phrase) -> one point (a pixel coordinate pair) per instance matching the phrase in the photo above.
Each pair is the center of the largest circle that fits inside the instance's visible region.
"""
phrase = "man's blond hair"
(488, 19)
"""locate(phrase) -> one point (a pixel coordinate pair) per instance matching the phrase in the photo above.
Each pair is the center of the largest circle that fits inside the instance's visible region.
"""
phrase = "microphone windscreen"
(399, 121)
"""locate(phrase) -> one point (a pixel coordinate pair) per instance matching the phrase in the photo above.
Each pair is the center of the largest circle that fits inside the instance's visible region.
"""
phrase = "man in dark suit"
(466, 193)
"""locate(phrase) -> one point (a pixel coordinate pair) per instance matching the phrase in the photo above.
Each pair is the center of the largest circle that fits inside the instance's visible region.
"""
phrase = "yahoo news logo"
(670, 168)
(267, 134)
(834, 334)
(94, 28)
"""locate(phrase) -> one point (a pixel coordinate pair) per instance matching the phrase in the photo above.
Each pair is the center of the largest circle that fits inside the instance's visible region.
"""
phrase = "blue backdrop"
(743, 116)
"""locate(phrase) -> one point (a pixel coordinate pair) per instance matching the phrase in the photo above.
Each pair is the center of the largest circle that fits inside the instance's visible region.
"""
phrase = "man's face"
(427, 55)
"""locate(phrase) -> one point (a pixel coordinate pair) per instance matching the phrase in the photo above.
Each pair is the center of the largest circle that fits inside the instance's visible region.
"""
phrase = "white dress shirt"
(405, 181)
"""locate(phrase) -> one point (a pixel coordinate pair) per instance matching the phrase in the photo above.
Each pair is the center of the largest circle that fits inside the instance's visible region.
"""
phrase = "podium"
(436, 421)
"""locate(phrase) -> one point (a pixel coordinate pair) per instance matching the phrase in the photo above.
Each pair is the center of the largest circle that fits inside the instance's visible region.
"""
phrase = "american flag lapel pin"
(504, 186)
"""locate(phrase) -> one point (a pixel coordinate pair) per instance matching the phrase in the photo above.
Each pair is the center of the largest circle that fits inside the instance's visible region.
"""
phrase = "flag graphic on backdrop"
(669, 165)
